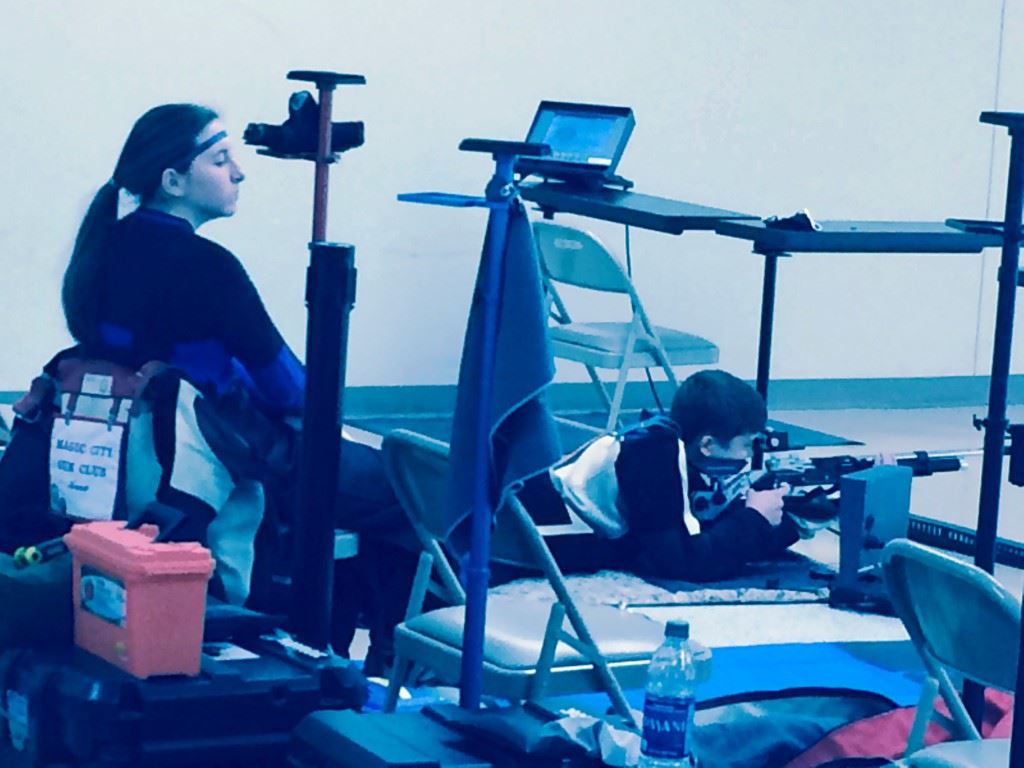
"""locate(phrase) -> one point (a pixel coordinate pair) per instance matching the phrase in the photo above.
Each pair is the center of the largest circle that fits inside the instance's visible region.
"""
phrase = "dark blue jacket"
(168, 294)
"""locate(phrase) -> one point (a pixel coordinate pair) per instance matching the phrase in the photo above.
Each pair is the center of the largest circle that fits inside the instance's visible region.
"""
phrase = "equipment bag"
(415, 739)
(66, 461)
(35, 603)
(94, 440)
(751, 730)
(61, 709)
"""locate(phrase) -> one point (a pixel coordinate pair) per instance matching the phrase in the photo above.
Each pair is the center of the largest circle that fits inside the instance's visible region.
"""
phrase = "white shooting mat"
(727, 625)
(723, 626)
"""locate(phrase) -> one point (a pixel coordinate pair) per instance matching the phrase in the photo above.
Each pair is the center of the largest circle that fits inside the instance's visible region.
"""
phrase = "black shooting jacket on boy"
(642, 524)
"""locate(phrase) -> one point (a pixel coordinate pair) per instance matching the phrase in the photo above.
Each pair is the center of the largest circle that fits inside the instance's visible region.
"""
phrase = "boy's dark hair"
(717, 403)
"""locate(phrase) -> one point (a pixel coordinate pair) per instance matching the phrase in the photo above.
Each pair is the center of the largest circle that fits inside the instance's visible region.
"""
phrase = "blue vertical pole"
(477, 573)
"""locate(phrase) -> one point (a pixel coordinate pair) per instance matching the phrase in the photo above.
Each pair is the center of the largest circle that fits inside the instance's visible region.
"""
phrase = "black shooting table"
(841, 237)
(661, 214)
(675, 217)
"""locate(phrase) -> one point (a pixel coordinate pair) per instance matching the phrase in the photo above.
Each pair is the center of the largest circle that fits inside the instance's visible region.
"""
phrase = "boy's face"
(739, 447)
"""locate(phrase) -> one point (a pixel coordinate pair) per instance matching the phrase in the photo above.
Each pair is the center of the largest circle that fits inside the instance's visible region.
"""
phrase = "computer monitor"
(586, 140)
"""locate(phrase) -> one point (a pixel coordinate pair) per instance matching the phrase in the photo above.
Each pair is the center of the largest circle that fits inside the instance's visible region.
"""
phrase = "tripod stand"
(330, 296)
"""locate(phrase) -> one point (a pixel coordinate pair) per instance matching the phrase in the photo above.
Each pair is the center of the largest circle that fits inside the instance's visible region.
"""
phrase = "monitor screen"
(583, 138)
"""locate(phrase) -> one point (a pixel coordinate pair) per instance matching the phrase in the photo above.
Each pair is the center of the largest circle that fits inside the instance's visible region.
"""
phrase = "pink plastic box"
(138, 604)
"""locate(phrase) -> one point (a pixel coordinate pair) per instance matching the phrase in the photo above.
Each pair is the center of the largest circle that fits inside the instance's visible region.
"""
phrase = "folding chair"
(573, 257)
(528, 653)
(961, 619)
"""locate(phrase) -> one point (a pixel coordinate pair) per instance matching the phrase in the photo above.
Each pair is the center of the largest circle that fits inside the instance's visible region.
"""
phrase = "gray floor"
(951, 497)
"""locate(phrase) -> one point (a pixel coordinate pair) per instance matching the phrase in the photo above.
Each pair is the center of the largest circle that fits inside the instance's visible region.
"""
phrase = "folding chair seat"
(528, 653)
(573, 257)
(987, 753)
(960, 619)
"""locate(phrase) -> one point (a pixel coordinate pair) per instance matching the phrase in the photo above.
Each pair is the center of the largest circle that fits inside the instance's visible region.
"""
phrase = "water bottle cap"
(678, 629)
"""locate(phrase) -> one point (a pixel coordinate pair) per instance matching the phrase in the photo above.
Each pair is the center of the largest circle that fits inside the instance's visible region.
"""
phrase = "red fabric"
(885, 735)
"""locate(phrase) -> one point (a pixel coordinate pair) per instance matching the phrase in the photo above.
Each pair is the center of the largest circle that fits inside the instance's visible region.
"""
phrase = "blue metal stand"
(500, 192)
(499, 197)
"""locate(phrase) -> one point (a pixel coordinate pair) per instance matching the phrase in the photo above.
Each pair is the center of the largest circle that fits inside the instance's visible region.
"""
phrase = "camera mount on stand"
(297, 136)
(309, 134)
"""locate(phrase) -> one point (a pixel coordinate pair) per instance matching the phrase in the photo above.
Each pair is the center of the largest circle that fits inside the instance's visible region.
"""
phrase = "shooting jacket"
(636, 518)
(166, 293)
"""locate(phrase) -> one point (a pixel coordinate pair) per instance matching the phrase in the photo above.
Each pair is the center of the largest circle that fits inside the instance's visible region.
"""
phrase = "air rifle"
(814, 481)
(817, 482)
(825, 471)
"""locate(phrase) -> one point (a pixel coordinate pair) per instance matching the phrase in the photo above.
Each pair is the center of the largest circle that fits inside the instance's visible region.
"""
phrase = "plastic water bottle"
(667, 740)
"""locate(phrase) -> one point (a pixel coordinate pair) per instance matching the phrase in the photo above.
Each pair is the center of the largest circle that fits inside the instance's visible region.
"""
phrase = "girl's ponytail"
(81, 289)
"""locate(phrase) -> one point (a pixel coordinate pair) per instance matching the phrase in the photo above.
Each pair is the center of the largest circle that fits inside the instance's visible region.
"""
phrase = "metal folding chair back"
(961, 620)
(574, 257)
(417, 467)
(528, 652)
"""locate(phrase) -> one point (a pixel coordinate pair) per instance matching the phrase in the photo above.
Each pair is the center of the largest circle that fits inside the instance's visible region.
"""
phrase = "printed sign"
(84, 460)
(667, 723)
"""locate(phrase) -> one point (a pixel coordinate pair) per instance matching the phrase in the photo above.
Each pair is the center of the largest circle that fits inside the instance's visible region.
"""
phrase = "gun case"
(435, 736)
(70, 708)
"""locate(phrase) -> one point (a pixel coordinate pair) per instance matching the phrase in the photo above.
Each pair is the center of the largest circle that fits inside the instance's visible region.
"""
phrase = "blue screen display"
(575, 137)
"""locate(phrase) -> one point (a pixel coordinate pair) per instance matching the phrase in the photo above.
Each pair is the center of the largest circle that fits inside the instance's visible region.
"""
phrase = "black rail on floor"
(956, 538)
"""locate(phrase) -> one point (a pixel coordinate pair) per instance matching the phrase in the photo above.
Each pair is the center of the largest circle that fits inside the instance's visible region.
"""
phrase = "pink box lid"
(135, 552)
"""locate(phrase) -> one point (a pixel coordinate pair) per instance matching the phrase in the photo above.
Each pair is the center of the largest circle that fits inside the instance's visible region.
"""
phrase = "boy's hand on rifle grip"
(768, 504)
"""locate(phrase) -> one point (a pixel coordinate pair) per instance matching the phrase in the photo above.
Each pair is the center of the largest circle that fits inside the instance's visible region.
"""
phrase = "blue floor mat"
(891, 669)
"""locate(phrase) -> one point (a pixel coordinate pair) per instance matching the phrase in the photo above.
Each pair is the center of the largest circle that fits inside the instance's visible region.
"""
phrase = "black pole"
(995, 422)
(330, 295)
(764, 340)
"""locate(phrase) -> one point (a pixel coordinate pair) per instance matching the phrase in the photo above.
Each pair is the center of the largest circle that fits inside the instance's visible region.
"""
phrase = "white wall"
(853, 109)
